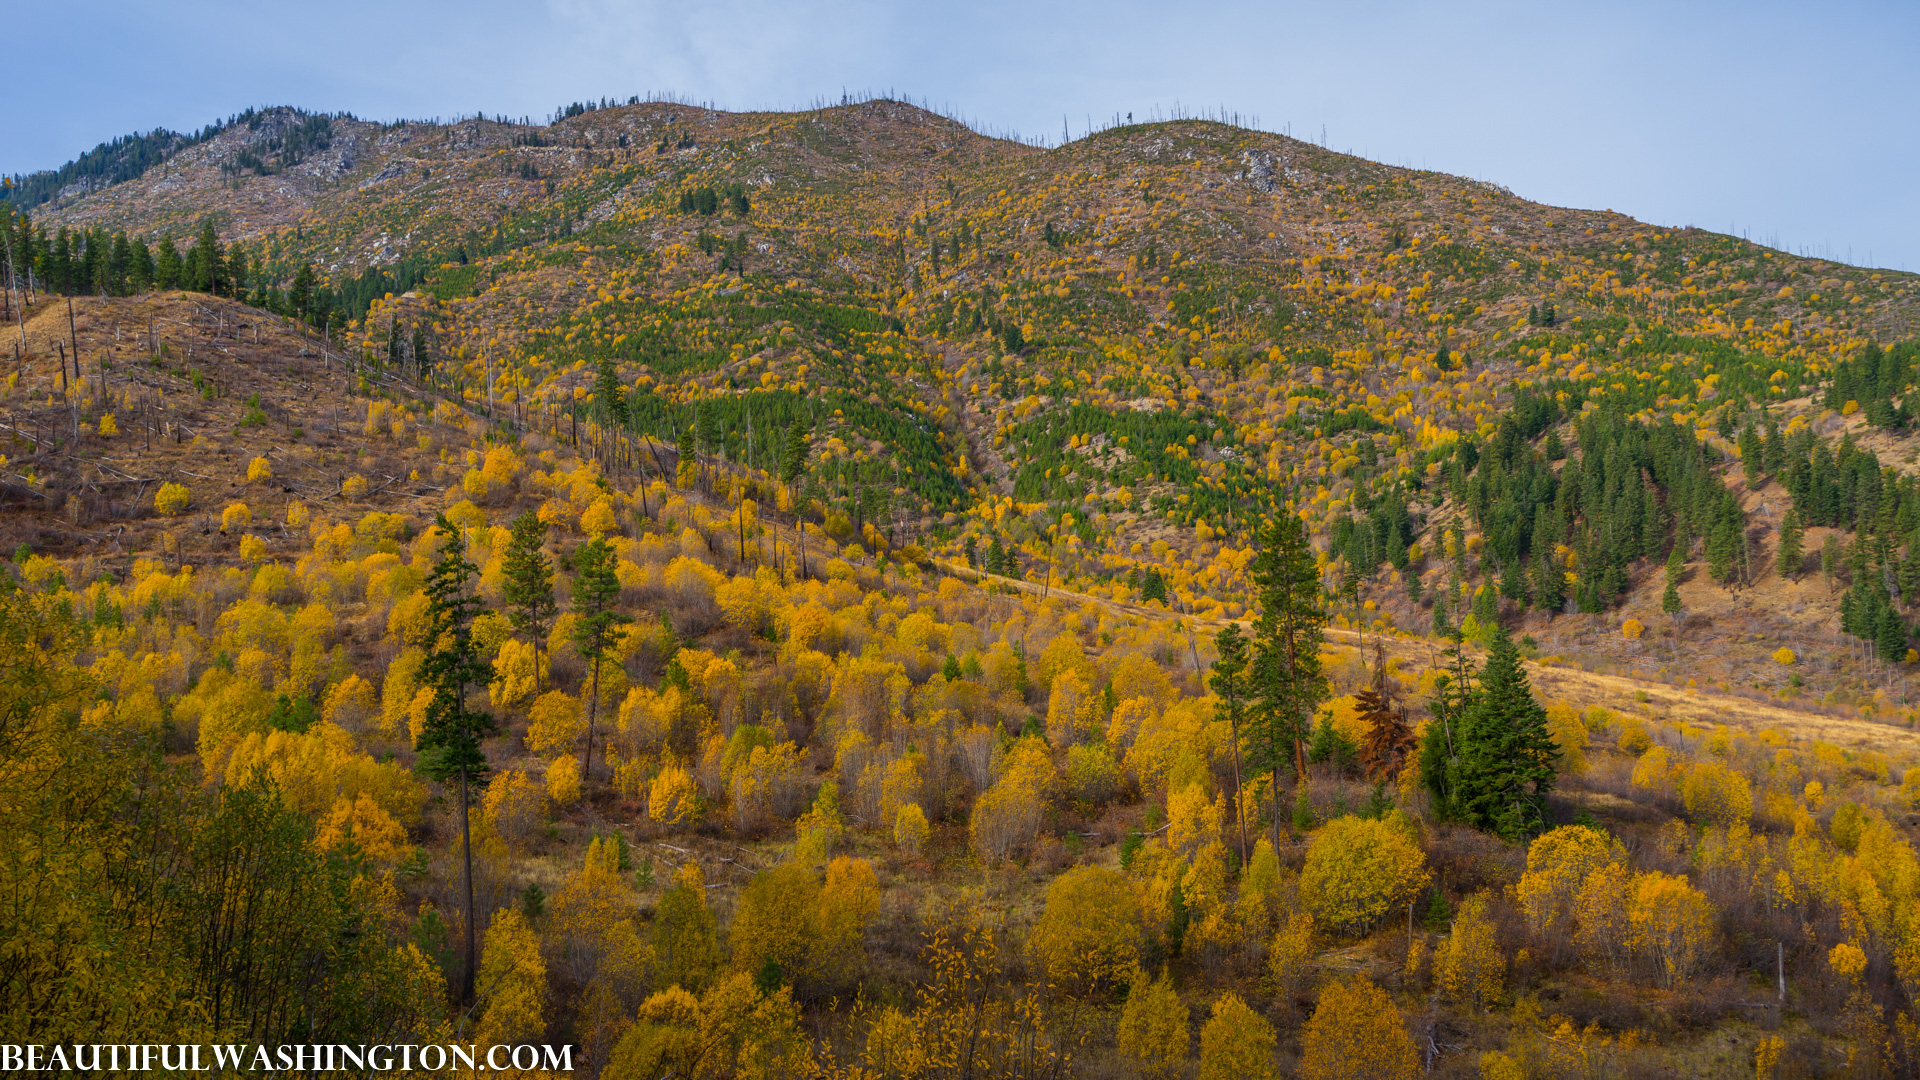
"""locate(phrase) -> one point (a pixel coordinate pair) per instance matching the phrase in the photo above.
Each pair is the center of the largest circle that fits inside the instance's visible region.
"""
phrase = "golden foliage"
(1468, 965)
(910, 829)
(1088, 937)
(171, 500)
(1559, 862)
(1153, 1025)
(554, 723)
(1671, 925)
(1356, 1034)
(515, 976)
(563, 780)
(1237, 1043)
(1358, 870)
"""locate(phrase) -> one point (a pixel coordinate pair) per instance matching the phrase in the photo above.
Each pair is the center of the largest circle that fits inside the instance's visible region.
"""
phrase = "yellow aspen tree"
(776, 923)
(1559, 862)
(513, 977)
(1089, 934)
(1359, 870)
(563, 780)
(685, 936)
(367, 825)
(554, 723)
(910, 830)
(1671, 925)
(848, 902)
(1356, 1034)
(1237, 1043)
(1290, 955)
(1153, 1026)
(1468, 964)
(1602, 929)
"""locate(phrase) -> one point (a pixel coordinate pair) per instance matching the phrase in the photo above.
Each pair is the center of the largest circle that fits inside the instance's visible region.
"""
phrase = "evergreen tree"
(596, 585)
(166, 265)
(1505, 764)
(1228, 680)
(1677, 562)
(1513, 584)
(1792, 546)
(1549, 582)
(142, 266)
(608, 396)
(449, 744)
(300, 296)
(793, 457)
(1439, 745)
(1154, 586)
(1890, 635)
(527, 587)
(1286, 685)
(1753, 457)
(688, 462)
(204, 263)
(971, 548)
(1670, 598)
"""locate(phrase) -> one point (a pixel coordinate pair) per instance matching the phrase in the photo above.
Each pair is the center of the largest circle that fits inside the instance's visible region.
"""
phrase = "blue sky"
(1794, 124)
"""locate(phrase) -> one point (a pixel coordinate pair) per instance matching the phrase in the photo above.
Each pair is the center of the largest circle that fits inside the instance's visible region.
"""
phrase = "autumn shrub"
(1672, 926)
(171, 499)
(1468, 965)
(555, 724)
(1290, 954)
(777, 920)
(1559, 862)
(1089, 935)
(910, 830)
(1358, 870)
(1237, 1043)
(1356, 1034)
(1715, 794)
(563, 780)
(1153, 1026)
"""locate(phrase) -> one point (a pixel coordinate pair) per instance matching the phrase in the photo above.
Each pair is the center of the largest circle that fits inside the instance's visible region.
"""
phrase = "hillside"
(928, 469)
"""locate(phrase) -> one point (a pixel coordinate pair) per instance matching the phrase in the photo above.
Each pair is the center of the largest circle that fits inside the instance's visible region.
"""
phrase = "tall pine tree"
(1228, 681)
(1286, 684)
(528, 585)
(449, 743)
(596, 585)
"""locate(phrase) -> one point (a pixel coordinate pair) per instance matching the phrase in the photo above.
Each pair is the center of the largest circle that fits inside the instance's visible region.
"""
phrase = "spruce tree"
(300, 297)
(449, 744)
(1890, 635)
(1549, 582)
(1792, 546)
(1505, 764)
(1670, 598)
(1228, 680)
(1285, 683)
(1753, 457)
(596, 585)
(793, 458)
(528, 585)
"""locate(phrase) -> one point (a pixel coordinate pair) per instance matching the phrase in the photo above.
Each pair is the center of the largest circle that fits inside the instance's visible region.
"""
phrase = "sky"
(1792, 124)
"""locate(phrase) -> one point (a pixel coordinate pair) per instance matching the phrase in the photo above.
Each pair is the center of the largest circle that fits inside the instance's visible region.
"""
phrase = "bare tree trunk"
(466, 854)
